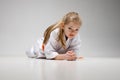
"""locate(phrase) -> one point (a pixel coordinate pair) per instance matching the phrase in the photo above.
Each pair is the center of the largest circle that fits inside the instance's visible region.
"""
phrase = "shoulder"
(55, 32)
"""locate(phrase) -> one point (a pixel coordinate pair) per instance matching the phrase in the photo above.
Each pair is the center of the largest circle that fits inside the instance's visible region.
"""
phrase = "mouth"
(71, 35)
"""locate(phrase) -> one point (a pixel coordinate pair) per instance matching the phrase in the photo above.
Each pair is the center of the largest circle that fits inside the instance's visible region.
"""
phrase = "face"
(71, 29)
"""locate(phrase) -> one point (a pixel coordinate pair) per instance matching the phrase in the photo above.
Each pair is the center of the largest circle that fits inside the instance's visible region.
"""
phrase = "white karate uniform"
(53, 47)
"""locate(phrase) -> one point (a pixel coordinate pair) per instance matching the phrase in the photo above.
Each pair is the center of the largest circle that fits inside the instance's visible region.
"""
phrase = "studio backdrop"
(22, 22)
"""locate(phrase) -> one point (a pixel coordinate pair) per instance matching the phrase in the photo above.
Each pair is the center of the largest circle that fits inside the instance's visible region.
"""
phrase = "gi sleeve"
(50, 49)
(75, 45)
(38, 49)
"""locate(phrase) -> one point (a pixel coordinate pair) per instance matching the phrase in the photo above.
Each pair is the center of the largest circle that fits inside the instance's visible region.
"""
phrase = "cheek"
(67, 32)
(75, 33)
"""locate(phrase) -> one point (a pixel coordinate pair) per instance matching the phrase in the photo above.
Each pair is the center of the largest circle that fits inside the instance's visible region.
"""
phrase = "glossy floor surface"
(23, 68)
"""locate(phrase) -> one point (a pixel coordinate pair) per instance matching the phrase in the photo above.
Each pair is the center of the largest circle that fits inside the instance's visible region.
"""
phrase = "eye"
(69, 28)
(76, 29)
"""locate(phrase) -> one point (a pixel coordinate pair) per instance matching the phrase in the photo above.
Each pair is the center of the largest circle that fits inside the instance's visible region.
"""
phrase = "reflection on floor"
(23, 68)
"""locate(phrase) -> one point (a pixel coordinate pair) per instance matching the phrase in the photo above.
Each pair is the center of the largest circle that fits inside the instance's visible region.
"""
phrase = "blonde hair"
(69, 17)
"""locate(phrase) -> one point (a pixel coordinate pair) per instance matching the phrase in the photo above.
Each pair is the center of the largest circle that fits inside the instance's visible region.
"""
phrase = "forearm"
(60, 57)
(68, 57)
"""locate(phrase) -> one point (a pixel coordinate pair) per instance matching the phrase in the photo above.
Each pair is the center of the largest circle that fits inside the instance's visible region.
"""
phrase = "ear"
(62, 25)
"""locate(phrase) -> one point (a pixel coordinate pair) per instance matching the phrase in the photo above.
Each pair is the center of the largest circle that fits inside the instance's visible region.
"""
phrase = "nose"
(72, 32)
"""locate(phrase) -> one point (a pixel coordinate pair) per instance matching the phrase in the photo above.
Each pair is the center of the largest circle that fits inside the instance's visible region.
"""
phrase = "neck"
(66, 37)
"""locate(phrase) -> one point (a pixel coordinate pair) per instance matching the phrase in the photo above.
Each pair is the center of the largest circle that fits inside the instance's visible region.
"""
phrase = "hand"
(70, 56)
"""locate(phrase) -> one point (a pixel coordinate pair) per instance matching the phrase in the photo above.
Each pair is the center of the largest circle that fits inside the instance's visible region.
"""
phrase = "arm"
(60, 57)
(75, 45)
(51, 47)
(70, 56)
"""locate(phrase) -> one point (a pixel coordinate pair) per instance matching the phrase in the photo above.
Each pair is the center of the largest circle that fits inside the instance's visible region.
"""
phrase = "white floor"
(23, 68)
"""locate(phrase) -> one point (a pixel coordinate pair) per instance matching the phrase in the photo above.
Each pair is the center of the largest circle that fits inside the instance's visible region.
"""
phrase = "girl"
(60, 41)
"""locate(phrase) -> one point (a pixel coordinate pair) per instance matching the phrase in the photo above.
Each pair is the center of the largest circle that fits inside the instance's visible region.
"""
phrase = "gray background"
(22, 22)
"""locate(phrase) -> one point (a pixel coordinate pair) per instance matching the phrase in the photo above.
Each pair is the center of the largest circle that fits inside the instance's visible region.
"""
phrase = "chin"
(70, 37)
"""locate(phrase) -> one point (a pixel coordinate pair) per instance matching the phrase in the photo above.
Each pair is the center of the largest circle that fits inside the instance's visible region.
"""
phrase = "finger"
(70, 53)
(71, 58)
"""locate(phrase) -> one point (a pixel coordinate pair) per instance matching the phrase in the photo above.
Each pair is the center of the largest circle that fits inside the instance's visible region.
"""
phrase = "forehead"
(73, 25)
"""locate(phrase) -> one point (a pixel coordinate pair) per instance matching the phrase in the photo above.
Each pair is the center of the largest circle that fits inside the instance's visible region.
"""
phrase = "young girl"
(61, 40)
